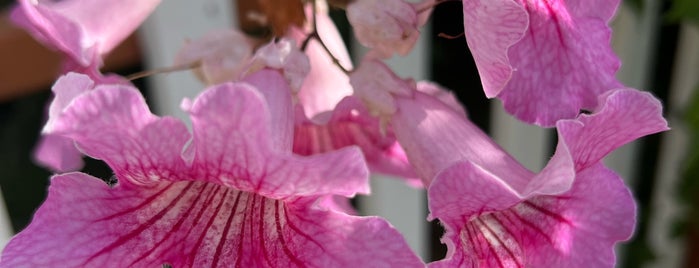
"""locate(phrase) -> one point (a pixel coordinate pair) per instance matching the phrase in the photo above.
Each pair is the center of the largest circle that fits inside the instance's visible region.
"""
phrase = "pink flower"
(229, 194)
(499, 214)
(328, 117)
(545, 59)
(386, 26)
(222, 55)
(83, 30)
(326, 84)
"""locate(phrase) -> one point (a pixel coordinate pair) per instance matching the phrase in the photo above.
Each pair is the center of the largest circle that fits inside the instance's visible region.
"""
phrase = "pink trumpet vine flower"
(229, 194)
(328, 117)
(499, 214)
(75, 29)
(545, 59)
(84, 37)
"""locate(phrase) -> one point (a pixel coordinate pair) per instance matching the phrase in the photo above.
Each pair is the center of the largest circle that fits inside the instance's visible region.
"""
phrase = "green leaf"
(684, 10)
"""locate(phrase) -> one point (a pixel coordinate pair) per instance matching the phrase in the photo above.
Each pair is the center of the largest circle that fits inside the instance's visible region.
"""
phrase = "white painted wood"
(6, 231)
(665, 209)
(164, 33)
(403, 206)
(527, 143)
(633, 40)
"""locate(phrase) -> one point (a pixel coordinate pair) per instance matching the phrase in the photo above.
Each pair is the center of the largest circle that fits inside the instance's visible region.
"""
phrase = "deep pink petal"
(83, 30)
(544, 53)
(623, 116)
(233, 144)
(84, 223)
(576, 229)
(351, 124)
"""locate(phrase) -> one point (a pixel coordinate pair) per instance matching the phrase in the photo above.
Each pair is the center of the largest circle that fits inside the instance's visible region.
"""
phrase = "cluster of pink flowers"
(283, 135)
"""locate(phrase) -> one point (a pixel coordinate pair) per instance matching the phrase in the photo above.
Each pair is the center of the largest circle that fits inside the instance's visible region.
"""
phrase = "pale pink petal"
(325, 84)
(545, 59)
(444, 95)
(58, 154)
(424, 11)
(283, 55)
(422, 119)
(336, 203)
(233, 144)
(386, 26)
(623, 116)
(66, 88)
(223, 54)
(351, 124)
(491, 28)
(85, 223)
(83, 30)
(276, 93)
(113, 123)
(576, 229)
(376, 84)
(53, 151)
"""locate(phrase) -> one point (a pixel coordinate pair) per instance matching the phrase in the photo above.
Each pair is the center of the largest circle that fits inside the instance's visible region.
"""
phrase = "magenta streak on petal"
(146, 202)
(261, 233)
(527, 223)
(278, 224)
(298, 231)
(490, 246)
(207, 191)
(140, 228)
(200, 240)
(555, 21)
(547, 212)
(219, 247)
(501, 243)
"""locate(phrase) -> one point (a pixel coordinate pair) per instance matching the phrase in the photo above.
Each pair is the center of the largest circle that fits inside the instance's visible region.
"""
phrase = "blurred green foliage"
(683, 10)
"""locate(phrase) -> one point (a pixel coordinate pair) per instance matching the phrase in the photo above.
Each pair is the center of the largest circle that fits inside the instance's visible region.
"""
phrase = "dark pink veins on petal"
(503, 238)
(198, 224)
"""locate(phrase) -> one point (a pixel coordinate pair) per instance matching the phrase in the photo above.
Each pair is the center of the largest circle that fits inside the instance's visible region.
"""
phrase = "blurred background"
(657, 40)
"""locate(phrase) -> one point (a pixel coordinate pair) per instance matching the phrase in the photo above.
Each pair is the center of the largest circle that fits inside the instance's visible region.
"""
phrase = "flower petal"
(387, 26)
(544, 54)
(220, 60)
(351, 124)
(233, 144)
(194, 224)
(58, 153)
(576, 229)
(325, 84)
(75, 28)
(113, 123)
(422, 119)
(623, 116)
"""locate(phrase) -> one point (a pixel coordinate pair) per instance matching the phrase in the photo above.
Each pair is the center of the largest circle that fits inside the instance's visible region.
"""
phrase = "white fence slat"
(164, 33)
(665, 209)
